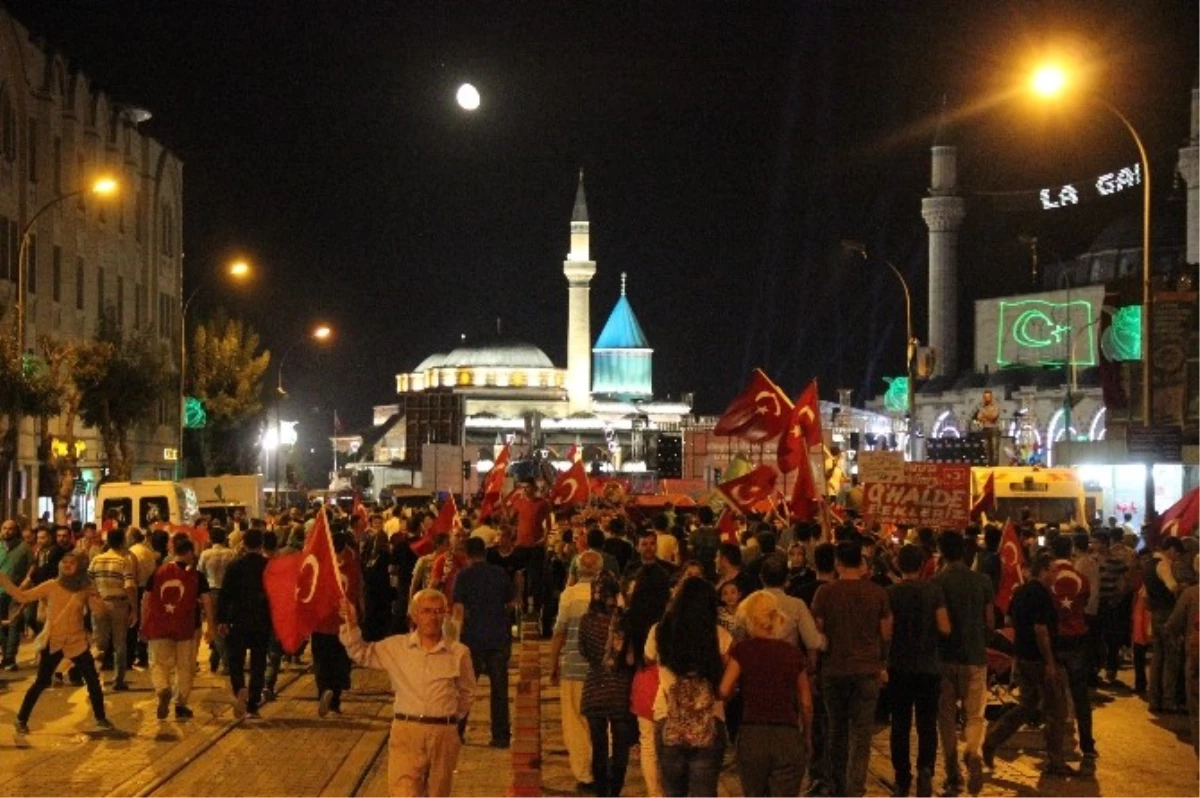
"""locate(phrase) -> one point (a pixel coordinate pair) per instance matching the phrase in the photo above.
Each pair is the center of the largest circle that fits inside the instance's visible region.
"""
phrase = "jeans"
(689, 771)
(965, 685)
(908, 692)
(608, 773)
(237, 644)
(111, 634)
(1166, 662)
(771, 759)
(1073, 656)
(274, 663)
(850, 701)
(1035, 691)
(494, 663)
(46, 667)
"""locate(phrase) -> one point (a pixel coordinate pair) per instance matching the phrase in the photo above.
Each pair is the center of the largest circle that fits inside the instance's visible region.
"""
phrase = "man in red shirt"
(533, 526)
(1071, 590)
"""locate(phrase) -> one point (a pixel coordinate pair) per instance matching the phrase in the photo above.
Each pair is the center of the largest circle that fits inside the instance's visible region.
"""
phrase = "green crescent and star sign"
(896, 398)
(1039, 332)
(194, 416)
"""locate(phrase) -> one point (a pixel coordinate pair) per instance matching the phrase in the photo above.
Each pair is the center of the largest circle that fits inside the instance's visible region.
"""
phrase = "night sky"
(727, 149)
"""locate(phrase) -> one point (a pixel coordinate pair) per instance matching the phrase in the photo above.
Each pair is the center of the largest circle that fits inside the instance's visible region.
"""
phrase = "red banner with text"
(923, 494)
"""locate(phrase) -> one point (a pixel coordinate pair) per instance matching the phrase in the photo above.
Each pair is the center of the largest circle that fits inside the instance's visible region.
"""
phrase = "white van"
(144, 504)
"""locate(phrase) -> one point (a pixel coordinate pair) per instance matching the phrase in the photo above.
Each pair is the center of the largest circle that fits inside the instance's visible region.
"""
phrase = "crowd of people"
(781, 650)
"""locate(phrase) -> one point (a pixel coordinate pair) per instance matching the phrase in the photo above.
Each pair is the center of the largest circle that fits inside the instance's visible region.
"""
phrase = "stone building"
(59, 131)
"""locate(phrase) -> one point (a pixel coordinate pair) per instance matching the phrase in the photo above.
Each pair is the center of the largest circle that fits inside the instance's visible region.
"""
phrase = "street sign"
(170, 454)
(1154, 444)
(81, 487)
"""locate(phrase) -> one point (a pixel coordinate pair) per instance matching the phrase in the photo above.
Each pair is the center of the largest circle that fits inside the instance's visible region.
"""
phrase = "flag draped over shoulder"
(304, 589)
(571, 487)
(758, 414)
(1012, 558)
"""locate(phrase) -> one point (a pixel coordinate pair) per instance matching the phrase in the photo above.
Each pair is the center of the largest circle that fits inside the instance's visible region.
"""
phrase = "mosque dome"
(501, 354)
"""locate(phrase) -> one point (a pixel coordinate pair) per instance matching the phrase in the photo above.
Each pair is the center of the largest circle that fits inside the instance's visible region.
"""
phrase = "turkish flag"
(493, 483)
(749, 489)
(1011, 560)
(571, 487)
(279, 580)
(727, 526)
(806, 499)
(447, 517)
(986, 503)
(318, 587)
(758, 414)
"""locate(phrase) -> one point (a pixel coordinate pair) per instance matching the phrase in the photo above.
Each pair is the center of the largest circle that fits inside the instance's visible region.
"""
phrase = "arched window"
(168, 230)
(8, 125)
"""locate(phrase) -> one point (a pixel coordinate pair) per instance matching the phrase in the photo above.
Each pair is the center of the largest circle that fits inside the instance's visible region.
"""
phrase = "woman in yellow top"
(67, 598)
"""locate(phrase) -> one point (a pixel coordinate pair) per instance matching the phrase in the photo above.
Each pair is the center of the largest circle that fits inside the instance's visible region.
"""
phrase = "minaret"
(943, 211)
(1189, 169)
(579, 270)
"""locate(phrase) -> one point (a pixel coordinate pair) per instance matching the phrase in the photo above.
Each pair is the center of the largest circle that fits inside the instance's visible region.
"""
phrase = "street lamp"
(910, 342)
(1050, 81)
(319, 333)
(239, 270)
(100, 187)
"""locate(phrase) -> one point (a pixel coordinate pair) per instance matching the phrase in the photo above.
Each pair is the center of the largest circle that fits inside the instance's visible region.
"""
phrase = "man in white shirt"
(434, 685)
(572, 606)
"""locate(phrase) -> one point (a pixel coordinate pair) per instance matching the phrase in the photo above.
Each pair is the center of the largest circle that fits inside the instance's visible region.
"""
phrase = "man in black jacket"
(244, 620)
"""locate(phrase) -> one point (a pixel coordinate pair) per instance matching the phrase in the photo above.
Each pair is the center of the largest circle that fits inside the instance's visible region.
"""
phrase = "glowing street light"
(321, 333)
(103, 186)
(1049, 81)
(467, 97)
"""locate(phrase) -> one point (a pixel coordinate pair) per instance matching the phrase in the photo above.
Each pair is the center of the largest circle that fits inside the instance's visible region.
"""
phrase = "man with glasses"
(434, 684)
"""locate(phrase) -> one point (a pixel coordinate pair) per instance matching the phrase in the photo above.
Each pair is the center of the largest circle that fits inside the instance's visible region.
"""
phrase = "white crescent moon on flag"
(564, 493)
(1009, 554)
(737, 494)
(762, 408)
(1068, 574)
(316, 569)
(162, 593)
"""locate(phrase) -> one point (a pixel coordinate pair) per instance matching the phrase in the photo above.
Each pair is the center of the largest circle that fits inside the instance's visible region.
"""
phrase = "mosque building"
(453, 410)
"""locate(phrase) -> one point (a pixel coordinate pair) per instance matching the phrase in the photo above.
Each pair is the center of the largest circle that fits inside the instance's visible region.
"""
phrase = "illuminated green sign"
(1037, 332)
(194, 416)
(896, 398)
(1123, 339)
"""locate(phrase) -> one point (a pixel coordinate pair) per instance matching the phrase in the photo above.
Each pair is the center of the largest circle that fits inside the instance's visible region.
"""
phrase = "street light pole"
(100, 187)
(910, 344)
(239, 269)
(319, 333)
(1048, 82)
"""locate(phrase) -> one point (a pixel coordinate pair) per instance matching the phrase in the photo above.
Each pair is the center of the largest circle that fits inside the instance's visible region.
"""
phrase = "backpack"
(690, 721)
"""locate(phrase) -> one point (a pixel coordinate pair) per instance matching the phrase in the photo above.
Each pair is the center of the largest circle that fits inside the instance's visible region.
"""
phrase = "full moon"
(468, 97)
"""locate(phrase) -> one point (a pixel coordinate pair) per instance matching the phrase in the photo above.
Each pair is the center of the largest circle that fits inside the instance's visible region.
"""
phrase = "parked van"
(220, 497)
(146, 503)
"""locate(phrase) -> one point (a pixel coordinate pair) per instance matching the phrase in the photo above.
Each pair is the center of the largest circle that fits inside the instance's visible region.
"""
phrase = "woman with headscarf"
(605, 703)
(67, 598)
(377, 587)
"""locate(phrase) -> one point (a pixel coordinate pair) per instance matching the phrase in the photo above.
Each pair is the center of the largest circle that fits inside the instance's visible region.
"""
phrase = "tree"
(61, 361)
(25, 390)
(121, 379)
(225, 372)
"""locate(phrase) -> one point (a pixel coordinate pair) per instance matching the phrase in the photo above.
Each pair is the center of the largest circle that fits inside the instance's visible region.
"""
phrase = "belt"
(121, 597)
(433, 720)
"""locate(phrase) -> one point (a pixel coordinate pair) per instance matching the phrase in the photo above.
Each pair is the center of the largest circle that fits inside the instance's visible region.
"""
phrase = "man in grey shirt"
(800, 626)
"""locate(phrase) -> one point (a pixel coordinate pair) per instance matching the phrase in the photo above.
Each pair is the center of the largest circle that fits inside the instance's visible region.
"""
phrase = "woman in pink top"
(67, 597)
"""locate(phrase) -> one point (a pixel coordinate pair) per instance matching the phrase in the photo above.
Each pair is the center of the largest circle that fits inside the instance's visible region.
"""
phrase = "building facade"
(58, 133)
